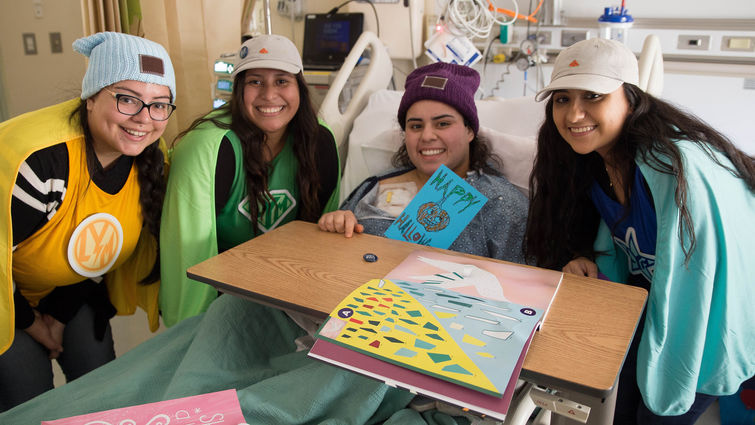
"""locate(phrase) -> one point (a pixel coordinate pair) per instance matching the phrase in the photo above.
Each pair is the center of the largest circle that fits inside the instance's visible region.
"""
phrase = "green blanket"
(235, 344)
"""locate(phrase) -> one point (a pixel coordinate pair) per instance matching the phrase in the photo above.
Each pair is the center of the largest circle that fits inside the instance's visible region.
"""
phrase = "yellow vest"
(90, 254)
(91, 233)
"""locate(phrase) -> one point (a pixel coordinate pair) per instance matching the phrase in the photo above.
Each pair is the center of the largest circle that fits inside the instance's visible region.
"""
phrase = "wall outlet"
(38, 11)
(693, 42)
(570, 37)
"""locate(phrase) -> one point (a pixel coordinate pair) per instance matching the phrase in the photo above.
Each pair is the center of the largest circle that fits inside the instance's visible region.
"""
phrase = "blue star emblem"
(639, 262)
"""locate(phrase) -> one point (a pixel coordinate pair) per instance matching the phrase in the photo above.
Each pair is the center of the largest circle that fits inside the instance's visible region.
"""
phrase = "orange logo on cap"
(574, 63)
(263, 50)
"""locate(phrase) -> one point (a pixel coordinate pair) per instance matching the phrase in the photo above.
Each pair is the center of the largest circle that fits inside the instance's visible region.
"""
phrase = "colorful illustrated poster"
(395, 322)
(446, 316)
(218, 408)
(439, 212)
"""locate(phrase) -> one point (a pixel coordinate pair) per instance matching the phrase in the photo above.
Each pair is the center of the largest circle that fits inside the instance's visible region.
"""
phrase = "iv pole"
(248, 18)
(269, 23)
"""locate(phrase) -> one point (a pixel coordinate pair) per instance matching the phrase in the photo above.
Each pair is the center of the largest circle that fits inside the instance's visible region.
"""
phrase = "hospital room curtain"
(195, 33)
(112, 15)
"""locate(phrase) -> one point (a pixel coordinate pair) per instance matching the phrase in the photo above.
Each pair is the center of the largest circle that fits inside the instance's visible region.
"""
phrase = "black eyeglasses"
(130, 105)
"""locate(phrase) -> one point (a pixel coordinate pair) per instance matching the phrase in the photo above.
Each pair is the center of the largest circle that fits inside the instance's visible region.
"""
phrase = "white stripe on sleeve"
(43, 187)
(29, 200)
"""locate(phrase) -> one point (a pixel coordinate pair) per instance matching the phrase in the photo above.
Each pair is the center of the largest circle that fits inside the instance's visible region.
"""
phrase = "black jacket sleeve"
(327, 165)
(225, 170)
(24, 312)
(39, 190)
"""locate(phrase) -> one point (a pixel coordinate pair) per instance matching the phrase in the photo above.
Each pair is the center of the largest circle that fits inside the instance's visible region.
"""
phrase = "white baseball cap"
(597, 65)
(268, 51)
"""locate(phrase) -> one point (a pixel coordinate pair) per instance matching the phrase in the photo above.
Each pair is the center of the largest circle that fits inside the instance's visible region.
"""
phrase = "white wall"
(720, 101)
(32, 81)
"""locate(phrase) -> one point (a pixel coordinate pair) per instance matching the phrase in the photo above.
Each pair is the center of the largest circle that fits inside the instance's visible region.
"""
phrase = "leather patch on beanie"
(434, 82)
(151, 65)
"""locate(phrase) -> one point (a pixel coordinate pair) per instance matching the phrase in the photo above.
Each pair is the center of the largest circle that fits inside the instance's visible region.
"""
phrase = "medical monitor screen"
(225, 85)
(328, 39)
(334, 37)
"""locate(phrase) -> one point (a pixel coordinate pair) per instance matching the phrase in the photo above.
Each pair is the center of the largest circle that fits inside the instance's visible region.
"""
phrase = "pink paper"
(218, 408)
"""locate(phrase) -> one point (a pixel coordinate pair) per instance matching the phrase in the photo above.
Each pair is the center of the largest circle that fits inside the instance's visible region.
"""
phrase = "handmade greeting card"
(218, 408)
(439, 212)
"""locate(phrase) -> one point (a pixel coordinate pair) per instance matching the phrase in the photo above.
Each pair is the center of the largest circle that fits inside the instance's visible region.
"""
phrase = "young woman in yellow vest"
(83, 215)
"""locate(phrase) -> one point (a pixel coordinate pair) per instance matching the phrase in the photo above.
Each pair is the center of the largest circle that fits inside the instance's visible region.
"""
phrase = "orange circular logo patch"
(95, 245)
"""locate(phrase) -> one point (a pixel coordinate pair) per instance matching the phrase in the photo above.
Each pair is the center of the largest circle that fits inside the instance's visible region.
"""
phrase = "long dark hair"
(304, 129)
(481, 156)
(149, 166)
(563, 221)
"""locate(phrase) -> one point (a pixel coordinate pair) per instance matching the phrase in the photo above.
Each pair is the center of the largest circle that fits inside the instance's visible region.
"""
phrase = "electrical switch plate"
(738, 44)
(30, 43)
(56, 43)
(693, 42)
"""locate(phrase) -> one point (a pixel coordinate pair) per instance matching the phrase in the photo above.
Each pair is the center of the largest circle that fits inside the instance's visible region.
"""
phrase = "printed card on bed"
(218, 408)
(462, 320)
(439, 212)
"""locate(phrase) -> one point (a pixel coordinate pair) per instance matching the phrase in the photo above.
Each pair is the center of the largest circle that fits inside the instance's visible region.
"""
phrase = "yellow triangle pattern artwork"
(381, 319)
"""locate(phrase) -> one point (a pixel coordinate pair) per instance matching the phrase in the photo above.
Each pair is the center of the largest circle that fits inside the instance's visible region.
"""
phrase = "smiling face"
(435, 134)
(590, 122)
(271, 99)
(116, 134)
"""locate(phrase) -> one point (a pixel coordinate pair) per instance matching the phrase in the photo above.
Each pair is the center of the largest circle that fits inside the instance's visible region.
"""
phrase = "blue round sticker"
(345, 313)
(527, 311)
(370, 257)
(244, 51)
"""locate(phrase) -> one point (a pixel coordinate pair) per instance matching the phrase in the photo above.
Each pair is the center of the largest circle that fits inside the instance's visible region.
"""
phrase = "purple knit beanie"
(454, 85)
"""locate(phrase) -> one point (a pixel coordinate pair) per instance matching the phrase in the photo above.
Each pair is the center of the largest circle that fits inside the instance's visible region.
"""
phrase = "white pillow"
(520, 116)
(517, 153)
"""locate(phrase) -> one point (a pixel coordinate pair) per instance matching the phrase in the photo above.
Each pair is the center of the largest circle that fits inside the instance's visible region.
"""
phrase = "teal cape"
(699, 334)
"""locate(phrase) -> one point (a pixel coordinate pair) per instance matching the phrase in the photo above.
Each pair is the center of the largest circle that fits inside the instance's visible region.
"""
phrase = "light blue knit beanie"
(115, 57)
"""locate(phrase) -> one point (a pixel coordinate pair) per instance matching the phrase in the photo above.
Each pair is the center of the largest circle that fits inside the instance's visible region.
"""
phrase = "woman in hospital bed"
(439, 120)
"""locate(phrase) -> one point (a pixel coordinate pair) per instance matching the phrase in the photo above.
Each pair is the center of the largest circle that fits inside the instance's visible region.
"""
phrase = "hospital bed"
(368, 133)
